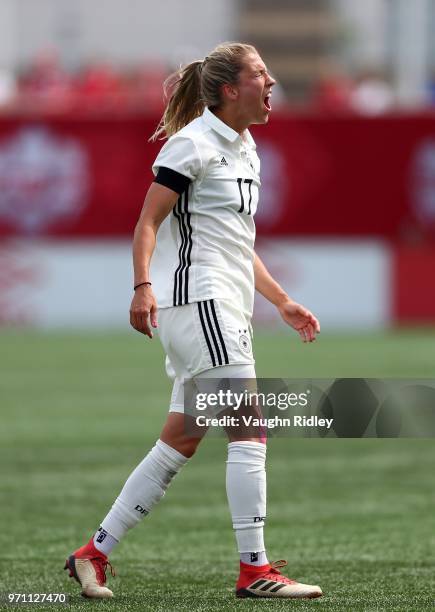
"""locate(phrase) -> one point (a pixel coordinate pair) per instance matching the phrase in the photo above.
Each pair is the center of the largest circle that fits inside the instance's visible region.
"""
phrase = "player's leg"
(143, 489)
(246, 475)
(246, 491)
(246, 469)
(148, 482)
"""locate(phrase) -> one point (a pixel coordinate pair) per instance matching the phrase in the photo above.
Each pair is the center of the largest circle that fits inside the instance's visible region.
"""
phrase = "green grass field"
(79, 411)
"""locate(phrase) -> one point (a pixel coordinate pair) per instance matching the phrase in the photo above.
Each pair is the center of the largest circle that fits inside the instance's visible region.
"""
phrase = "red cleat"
(267, 581)
(88, 566)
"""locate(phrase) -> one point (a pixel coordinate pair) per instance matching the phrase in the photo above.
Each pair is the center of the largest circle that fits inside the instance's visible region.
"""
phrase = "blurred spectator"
(45, 79)
(148, 84)
(334, 89)
(45, 86)
(372, 94)
(98, 84)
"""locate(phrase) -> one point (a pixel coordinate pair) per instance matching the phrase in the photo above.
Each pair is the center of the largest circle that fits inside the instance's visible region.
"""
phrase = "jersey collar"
(224, 130)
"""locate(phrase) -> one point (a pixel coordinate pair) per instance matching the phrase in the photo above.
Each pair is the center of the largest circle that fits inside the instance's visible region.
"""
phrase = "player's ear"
(229, 92)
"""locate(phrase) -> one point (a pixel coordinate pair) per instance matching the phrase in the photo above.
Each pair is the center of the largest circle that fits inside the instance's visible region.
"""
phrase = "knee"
(174, 434)
(184, 445)
(187, 446)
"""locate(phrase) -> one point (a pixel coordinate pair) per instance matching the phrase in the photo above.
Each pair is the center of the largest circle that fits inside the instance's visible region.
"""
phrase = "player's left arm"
(294, 314)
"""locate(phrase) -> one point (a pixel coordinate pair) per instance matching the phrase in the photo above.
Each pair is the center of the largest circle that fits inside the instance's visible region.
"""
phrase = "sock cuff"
(247, 449)
(173, 457)
(242, 444)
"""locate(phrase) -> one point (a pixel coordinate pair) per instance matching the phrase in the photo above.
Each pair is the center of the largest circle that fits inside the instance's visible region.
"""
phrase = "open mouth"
(267, 103)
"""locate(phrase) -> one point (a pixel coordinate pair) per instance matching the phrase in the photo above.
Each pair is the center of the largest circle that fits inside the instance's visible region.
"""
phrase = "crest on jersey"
(223, 162)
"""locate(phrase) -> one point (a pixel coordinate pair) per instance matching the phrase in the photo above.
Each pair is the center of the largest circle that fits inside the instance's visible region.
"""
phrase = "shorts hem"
(224, 365)
(176, 408)
(241, 307)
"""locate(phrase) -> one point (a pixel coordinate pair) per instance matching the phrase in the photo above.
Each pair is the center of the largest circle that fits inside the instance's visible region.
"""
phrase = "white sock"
(246, 492)
(145, 486)
(104, 542)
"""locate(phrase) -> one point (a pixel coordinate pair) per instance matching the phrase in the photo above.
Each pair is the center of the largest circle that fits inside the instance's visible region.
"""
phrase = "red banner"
(71, 178)
(350, 176)
(413, 292)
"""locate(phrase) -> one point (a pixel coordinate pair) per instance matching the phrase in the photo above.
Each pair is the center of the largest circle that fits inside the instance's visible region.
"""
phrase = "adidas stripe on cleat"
(88, 566)
(267, 581)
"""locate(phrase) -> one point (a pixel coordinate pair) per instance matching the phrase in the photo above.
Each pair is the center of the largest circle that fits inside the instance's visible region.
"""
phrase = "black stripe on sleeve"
(172, 180)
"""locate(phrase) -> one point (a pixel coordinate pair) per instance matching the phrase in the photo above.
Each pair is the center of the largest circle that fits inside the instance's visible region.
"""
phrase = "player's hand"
(143, 310)
(301, 319)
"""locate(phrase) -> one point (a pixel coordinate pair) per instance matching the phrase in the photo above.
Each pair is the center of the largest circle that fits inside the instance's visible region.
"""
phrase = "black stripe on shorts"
(215, 342)
(204, 331)
(218, 329)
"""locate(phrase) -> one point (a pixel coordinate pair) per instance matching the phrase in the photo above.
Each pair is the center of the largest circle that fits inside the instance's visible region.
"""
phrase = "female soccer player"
(194, 257)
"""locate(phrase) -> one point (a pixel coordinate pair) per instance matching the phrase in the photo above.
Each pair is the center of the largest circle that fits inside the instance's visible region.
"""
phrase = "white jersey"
(205, 247)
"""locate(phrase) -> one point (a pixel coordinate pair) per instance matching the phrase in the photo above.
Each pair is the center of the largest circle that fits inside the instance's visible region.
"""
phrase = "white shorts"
(206, 339)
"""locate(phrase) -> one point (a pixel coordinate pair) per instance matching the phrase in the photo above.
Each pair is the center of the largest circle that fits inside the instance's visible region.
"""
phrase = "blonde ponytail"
(183, 90)
(197, 85)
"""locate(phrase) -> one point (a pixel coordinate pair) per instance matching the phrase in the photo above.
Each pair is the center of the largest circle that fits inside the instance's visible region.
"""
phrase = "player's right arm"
(159, 201)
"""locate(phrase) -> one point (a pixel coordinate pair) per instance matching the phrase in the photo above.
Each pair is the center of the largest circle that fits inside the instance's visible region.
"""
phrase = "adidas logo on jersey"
(223, 162)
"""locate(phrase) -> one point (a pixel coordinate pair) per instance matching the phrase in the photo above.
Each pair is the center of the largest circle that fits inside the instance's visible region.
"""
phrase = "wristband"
(140, 285)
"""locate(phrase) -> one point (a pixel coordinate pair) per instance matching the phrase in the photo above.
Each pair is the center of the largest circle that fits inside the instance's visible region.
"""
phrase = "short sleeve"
(181, 155)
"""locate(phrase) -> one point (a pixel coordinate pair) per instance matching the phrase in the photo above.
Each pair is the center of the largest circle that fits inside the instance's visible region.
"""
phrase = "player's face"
(254, 89)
